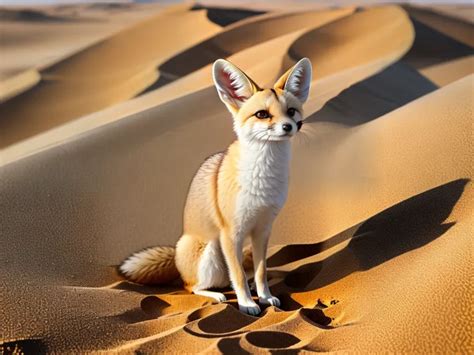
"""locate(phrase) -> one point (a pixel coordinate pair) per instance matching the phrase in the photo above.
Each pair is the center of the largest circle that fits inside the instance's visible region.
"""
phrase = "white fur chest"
(263, 177)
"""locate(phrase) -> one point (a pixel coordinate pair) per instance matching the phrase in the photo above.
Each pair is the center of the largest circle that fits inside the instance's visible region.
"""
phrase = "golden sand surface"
(373, 250)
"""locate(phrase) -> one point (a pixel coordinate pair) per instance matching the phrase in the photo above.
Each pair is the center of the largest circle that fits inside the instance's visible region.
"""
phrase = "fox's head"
(264, 114)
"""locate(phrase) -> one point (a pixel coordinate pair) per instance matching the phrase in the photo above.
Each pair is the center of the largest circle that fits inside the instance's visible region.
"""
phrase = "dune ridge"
(21, 82)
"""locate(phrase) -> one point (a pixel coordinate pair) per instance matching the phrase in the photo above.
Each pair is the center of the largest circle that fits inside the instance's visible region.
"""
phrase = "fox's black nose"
(287, 127)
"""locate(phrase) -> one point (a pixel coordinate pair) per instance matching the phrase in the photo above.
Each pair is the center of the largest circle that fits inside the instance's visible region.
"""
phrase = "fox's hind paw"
(272, 301)
(217, 296)
(251, 308)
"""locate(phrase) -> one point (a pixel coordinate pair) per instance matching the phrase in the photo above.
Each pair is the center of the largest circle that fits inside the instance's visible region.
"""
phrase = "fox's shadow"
(401, 228)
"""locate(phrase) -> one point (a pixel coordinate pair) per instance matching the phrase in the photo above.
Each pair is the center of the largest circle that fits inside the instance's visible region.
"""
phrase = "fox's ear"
(297, 80)
(233, 86)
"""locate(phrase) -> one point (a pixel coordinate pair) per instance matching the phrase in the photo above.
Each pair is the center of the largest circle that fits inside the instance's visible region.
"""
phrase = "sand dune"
(195, 81)
(371, 253)
(458, 11)
(358, 104)
(30, 40)
(327, 86)
(459, 30)
(30, 16)
(87, 81)
(243, 35)
(268, 67)
(433, 47)
(69, 95)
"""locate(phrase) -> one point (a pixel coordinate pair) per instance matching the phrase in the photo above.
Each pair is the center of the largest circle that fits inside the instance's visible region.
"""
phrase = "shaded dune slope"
(375, 96)
(460, 30)
(225, 17)
(433, 47)
(459, 11)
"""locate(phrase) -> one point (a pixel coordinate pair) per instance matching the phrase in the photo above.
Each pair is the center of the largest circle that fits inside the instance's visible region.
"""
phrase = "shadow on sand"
(401, 228)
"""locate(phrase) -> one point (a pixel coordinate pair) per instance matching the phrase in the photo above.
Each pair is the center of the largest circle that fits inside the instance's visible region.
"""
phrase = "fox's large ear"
(297, 80)
(233, 86)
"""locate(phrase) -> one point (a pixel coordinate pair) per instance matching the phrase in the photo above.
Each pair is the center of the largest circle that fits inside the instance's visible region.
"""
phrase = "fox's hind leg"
(201, 266)
(212, 272)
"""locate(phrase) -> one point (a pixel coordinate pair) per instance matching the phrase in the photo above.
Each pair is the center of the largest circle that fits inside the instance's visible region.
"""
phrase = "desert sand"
(34, 39)
(372, 252)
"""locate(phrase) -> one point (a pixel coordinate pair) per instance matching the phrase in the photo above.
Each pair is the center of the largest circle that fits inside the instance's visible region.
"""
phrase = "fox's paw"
(217, 296)
(250, 308)
(220, 297)
(271, 300)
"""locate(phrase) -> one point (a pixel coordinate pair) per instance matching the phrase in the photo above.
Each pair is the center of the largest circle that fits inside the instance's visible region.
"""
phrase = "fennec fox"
(234, 194)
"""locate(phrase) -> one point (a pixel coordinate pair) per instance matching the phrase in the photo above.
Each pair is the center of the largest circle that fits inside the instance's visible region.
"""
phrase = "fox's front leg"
(260, 239)
(231, 244)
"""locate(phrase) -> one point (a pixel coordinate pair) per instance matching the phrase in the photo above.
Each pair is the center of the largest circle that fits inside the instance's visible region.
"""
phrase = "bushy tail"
(151, 266)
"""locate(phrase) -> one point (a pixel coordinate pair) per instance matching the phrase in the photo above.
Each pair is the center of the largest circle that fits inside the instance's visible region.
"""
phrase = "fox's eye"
(291, 111)
(262, 114)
